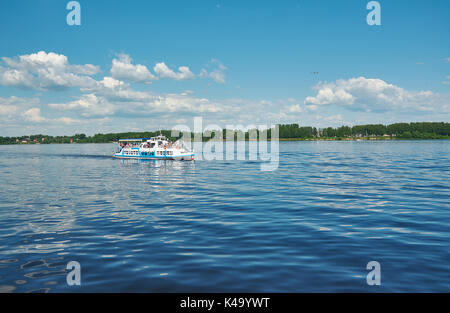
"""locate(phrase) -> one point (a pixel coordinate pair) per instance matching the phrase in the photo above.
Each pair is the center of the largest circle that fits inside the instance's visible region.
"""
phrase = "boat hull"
(182, 157)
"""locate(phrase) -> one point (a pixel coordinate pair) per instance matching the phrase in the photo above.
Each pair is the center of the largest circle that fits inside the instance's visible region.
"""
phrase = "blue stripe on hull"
(120, 156)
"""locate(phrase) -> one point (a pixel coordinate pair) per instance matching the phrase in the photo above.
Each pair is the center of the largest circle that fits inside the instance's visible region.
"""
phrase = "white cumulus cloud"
(33, 115)
(14, 106)
(122, 68)
(367, 94)
(114, 89)
(45, 71)
(163, 71)
(216, 73)
(89, 105)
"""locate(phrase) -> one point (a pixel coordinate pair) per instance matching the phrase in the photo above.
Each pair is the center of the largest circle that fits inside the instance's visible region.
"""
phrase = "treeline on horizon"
(424, 130)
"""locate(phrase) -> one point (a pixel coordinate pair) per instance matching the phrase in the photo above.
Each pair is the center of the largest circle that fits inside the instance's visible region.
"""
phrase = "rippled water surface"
(311, 225)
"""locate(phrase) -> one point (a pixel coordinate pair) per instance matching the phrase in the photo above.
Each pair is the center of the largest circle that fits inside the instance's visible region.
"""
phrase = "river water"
(225, 226)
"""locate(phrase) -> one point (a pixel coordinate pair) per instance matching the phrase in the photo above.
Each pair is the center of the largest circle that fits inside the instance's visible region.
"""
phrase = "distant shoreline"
(248, 140)
(285, 132)
(361, 139)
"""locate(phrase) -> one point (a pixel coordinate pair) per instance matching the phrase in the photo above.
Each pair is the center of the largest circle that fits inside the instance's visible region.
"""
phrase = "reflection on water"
(45, 271)
(157, 225)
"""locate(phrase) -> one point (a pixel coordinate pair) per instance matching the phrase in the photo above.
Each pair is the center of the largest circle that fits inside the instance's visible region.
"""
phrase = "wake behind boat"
(159, 148)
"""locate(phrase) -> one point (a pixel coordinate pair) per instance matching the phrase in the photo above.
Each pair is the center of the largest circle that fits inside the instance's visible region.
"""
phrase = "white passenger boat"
(159, 148)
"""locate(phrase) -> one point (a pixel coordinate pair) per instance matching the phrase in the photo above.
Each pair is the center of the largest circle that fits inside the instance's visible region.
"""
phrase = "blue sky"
(141, 65)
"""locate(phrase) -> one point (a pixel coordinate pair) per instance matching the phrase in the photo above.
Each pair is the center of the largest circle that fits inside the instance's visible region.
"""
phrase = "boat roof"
(134, 139)
(159, 137)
